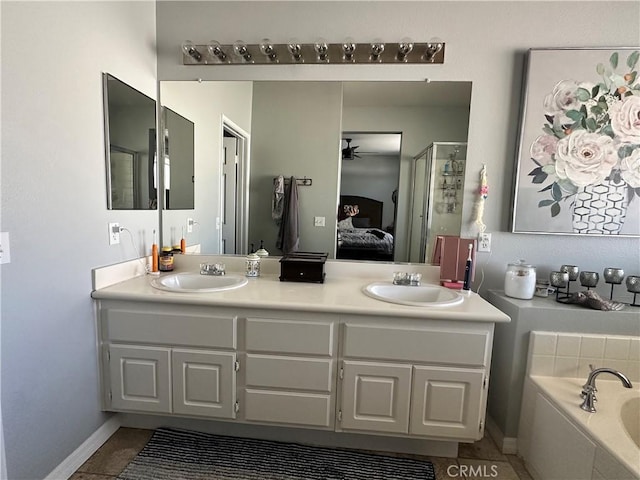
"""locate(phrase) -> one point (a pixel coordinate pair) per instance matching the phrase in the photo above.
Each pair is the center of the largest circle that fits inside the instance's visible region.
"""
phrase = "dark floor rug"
(173, 454)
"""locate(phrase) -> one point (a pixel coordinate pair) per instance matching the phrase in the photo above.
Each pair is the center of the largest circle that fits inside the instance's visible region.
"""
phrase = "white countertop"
(338, 294)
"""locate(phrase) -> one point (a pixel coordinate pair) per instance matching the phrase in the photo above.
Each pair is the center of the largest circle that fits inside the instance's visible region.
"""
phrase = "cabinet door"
(140, 378)
(204, 383)
(375, 396)
(446, 402)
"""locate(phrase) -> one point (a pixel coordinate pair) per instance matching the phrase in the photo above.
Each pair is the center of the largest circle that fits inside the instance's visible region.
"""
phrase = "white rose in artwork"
(543, 148)
(585, 158)
(630, 169)
(561, 99)
(625, 119)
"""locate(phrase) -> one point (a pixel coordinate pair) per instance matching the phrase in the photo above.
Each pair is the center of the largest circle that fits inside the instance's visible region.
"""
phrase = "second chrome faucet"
(589, 389)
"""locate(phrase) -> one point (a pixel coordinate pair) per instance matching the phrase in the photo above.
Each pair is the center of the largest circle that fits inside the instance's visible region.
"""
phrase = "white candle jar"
(520, 280)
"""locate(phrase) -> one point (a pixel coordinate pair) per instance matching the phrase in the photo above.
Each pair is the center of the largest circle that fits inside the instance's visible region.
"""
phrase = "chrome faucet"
(589, 389)
(216, 269)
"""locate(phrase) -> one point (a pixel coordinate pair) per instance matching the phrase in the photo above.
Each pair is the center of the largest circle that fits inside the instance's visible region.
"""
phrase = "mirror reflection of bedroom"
(369, 183)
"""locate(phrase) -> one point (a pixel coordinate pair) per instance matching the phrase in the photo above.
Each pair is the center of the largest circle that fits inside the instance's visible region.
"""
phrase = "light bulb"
(322, 49)
(348, 49)
(295, 49)
(190, 49)
(433, 47)
(215, 49)
(266, 47)
(404, 48)
(377, 47)
(241, 50)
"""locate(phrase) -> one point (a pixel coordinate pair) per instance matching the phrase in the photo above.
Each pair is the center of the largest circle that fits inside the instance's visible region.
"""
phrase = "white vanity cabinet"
(168, 359)
(372, 374)
(423, 379)
(289, 372)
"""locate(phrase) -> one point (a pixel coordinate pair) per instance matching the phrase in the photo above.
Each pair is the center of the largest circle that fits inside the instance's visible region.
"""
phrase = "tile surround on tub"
(571, 354)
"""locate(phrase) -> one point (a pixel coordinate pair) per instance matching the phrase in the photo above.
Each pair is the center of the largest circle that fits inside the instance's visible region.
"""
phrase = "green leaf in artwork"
(594, 91)
(548, 130)
(574, 115)
(591, 124)
(555, 209)
(613, 60)
(632, 77)
(632, 60)
(539, 178)
(600, 69)
(545, 203)
(549, 169)
(548, 187)
(567, 186)
(597, 110)
(607, 130)
(535, 171)
(583, 94)
(556, 192)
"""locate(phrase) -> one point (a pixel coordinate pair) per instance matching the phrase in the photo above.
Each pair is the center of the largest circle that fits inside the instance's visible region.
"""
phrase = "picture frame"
(578, 159)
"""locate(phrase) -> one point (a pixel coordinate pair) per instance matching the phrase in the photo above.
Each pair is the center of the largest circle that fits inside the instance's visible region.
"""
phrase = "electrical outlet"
(5, 255)
(114, 233)
(189, 225)
(318, 221)
(484, 242)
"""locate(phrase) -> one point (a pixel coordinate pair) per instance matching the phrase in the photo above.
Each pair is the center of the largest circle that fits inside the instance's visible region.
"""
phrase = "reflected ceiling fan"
(349, 152)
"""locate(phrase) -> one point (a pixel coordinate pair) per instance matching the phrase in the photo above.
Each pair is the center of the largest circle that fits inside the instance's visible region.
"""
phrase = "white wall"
(486, 43)
(231, 99)
(54, 207)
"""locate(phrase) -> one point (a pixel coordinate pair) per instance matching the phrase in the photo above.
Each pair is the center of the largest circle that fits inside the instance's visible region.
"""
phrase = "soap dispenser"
(252, 264)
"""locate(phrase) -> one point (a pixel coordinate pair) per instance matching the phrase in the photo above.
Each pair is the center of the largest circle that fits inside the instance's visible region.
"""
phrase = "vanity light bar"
(318, 53)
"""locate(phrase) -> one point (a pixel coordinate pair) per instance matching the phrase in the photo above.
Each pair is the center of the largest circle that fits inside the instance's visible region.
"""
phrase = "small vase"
(600, 209)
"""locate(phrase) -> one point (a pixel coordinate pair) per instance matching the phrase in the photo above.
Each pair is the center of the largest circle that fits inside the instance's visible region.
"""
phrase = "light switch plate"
(318, 221)
(114, 233)
(5, 254)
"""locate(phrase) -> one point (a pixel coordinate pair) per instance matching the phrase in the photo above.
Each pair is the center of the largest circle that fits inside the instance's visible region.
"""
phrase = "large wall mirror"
(130, 144)
(249, 133)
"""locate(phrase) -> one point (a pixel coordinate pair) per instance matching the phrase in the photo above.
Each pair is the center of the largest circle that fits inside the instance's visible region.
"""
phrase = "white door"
(140, 378)
(375, 396)
(446, 402)
(204, 383)
(229, 185)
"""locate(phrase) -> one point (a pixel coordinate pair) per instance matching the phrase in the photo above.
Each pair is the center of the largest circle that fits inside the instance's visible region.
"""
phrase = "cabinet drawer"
(198, 330)
(288, 407)
(416, 345)
(289, 373)
(289, 336)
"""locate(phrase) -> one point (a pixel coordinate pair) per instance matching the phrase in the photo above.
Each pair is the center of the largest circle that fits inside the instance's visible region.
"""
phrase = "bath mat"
(174, 454)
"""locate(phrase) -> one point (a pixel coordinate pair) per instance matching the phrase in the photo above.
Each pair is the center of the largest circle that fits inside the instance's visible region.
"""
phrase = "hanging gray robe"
(289, 233)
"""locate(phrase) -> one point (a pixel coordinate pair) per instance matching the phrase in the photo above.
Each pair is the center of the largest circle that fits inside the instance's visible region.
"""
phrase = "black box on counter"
(303, 267)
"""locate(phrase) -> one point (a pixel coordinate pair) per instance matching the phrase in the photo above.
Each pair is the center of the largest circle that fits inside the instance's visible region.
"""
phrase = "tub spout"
(589, 389)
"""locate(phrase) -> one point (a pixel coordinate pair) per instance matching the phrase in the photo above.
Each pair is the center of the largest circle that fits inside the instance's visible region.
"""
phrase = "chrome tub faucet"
(589, 389)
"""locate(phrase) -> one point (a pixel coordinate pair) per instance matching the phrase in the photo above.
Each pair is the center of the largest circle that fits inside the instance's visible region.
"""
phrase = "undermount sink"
(417, 296)
(196, 283)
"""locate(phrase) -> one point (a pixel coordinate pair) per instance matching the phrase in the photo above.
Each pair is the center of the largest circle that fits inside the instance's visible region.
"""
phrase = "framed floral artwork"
(578, 169)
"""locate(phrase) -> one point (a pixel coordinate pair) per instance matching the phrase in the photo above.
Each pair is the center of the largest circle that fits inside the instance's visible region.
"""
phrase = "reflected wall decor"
(578, 163)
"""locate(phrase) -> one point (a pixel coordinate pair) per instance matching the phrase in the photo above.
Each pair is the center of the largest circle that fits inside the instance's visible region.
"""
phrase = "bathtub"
(559, 440)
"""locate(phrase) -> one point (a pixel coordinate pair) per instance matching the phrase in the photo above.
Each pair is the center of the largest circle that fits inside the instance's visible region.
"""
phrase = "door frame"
(242, 193)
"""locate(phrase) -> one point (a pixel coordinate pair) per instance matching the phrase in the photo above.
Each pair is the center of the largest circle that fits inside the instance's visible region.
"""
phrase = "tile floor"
(481, 458)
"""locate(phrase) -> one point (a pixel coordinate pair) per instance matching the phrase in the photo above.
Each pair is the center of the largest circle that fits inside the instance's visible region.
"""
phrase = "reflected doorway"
(234, 189)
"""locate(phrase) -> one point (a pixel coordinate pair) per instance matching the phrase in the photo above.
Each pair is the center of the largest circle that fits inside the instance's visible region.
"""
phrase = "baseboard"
(81, 454)
(507, 445)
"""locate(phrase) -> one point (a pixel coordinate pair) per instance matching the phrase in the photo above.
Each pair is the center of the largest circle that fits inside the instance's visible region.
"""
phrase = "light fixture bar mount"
(322, 53)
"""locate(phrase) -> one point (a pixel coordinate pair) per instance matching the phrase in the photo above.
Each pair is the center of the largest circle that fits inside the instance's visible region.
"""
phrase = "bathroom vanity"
(316, 356)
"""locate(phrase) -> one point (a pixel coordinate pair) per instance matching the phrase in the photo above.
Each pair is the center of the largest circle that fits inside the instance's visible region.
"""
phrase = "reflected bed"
(360, 235)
